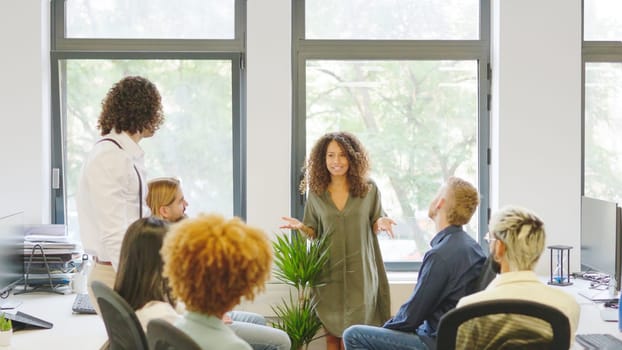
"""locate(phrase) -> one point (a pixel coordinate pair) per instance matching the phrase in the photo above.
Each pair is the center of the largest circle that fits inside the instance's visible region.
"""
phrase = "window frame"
(593, 51)
(63, 48)
(319, 49)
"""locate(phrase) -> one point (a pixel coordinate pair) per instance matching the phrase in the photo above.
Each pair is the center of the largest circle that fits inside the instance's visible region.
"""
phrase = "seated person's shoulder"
(471, 299)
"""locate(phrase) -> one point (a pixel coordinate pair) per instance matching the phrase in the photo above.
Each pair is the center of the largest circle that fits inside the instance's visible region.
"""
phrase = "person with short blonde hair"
(516, 240)
(462, 202)
(166, 199)
(448, 272)
(211, 263)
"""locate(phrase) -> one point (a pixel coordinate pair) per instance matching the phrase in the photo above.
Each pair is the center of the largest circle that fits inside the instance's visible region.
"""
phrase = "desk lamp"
(560, 272)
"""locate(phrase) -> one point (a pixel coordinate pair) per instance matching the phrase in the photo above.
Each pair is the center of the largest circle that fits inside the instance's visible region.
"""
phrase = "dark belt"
(97, 261)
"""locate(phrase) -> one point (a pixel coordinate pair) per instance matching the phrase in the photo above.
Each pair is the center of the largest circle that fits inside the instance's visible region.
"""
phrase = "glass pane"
(194, 142)
(391, 19)
(602, 20)
(417, 120)
(151, 19)
(603, 127)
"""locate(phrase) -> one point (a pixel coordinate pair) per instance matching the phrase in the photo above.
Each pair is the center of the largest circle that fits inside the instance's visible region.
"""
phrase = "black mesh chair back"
(504, 324)
(122, 325)
(162, 335)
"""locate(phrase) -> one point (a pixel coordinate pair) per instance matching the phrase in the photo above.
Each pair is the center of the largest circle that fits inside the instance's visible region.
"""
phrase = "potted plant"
(6, 331)
(300, 263)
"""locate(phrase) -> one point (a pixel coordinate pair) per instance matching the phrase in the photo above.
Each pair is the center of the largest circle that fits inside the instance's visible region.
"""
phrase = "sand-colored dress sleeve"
(357, 288)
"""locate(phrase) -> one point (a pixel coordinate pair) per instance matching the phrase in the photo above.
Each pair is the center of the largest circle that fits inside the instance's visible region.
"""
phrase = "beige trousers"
(104, 274)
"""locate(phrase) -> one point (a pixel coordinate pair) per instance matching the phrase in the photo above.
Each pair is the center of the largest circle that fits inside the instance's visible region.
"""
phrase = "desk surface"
(590, 320)
(70, 331)
(84, 332)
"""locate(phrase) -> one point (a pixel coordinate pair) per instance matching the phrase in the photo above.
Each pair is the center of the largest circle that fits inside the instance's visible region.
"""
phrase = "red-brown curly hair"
(133, 104)
(211, 263)
(316, 174)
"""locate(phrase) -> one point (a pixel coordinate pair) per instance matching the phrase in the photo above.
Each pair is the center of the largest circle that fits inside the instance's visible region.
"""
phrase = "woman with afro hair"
(211, 263)
(344, 205)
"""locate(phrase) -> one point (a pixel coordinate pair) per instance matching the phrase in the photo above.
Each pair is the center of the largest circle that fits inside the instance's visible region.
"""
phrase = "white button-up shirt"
(107, 198)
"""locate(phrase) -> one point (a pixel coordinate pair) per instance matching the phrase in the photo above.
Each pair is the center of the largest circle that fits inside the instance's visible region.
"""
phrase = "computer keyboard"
(82, 305)
(599, 341)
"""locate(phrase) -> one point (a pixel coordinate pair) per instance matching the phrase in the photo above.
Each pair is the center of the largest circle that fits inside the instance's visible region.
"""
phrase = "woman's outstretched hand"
(384, 224)
(291, 223)
(295, 224)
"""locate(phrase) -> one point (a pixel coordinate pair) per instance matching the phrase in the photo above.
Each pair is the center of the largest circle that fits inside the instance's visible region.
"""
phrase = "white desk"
(590, 320)
(70, 331)
(85, 332)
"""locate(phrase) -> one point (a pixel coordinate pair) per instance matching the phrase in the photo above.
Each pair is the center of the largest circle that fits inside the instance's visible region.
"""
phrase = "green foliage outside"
(195, 143)
(417, 119)
(603, 125)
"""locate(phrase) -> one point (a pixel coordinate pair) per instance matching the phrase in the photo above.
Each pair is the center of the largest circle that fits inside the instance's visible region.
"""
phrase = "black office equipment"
(511, 323)
(11, 250)
(122, 325)
(22, 320)
(599, 341)
(601, 239)
(162, 335)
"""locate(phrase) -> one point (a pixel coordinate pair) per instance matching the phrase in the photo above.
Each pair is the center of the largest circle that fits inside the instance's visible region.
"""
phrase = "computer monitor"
(11, 251)
(601, 237)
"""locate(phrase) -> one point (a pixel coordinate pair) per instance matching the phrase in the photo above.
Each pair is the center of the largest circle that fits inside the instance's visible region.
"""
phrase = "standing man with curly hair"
(112, 186)
(344, 205)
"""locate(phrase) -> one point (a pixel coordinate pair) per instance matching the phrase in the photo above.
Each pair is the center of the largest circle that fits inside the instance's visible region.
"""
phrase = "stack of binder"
(50, 258)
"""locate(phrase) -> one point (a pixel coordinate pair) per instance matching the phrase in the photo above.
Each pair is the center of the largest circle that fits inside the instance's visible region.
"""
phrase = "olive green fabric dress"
(356, 289)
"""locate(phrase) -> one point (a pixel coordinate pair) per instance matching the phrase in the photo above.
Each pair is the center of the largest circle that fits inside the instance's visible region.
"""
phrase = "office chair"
(162, 335)
(504, 324)
(122, 325)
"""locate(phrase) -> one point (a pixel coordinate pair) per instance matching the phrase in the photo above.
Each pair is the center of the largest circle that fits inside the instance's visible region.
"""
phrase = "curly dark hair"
(316, 174)
(133, 104)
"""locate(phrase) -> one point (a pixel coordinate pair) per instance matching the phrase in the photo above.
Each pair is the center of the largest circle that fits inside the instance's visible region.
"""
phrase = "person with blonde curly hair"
(211, 263)
(112, 184)
(166, 200)
(447, 273)
(141, 283)
(344, 205)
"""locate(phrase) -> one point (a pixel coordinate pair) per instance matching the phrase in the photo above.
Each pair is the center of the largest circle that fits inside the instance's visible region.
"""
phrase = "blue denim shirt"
(454, 261)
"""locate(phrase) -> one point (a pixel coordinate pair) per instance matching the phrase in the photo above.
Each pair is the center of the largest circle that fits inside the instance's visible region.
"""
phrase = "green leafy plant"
(299, 262)
(5, 324)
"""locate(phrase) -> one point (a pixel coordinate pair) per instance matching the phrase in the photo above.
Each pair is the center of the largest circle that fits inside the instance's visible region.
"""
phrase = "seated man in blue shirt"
(447, 272)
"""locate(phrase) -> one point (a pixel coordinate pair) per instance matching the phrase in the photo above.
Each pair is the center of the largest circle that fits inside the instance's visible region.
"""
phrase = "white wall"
(269, 112)
(24, 114)
(536, 122)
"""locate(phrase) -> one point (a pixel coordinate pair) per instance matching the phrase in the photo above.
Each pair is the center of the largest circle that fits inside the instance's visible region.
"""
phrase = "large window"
(602, 72)
(411, 80)
(201, 141)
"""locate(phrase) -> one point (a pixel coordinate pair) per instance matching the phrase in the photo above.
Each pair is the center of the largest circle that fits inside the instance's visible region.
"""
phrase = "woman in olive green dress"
(344, 204)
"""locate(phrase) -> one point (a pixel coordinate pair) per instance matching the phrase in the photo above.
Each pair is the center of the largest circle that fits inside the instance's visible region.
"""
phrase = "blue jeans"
(252, 328)
(378, 338)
